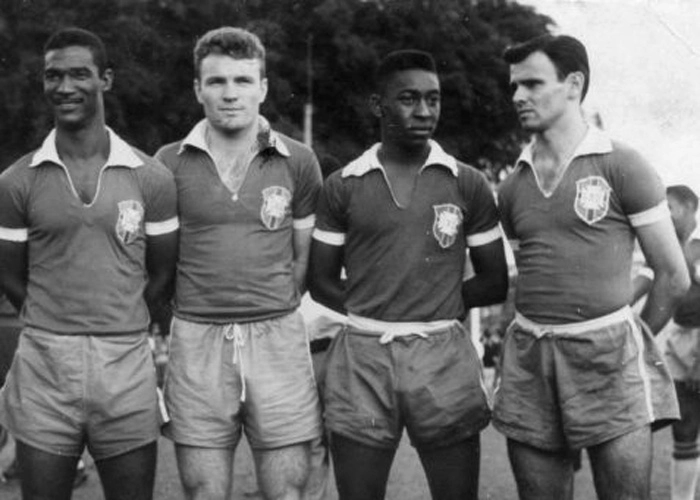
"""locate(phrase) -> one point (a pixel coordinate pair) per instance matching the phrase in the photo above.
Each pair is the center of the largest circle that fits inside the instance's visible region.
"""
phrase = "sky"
(645, 75)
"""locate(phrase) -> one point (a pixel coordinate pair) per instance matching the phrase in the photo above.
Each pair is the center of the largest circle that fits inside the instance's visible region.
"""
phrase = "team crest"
(448, 218)
(276, 205)
(592, 199)
(129, 221)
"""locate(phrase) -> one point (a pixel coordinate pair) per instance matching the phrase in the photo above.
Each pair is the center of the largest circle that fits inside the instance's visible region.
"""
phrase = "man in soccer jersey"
(399, 219)
(578, 369)
(88, 236)
(239, 355)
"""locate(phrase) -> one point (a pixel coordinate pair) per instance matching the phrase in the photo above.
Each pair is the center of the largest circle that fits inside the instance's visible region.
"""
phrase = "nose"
(422, 108)
(65, 85)
(230, 92)
(518, 94)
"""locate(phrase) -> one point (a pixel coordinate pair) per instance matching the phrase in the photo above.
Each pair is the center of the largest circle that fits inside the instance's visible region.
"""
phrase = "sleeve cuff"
(305, 223)
(654, 214)
(329, 238)
(17, 235)
(163, 227)
(478, 239)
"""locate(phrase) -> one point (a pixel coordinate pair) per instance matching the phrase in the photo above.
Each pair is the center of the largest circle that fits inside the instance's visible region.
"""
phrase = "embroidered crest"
(592, 199)
(129, 221)
(276, 205)
(448, 217)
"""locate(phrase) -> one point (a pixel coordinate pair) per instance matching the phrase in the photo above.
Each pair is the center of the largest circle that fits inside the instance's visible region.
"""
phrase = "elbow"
(680, 285)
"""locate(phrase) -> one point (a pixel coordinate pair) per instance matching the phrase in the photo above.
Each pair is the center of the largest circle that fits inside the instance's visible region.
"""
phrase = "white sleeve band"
(17, 235)
(654, 214)
(476, 240)
(163, 227)
(329, 238)
(306, 223)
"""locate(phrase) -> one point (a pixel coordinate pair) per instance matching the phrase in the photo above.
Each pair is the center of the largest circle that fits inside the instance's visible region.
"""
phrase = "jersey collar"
(267, 138)
(370, 161)
(594, 142)
(120, 153)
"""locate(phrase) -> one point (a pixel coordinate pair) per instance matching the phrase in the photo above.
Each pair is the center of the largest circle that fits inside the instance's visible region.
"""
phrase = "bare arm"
(161, 257)
(489, 285)
(302, 244)
(325, 282)
(665, 257)
(641, 284)
(13, 271)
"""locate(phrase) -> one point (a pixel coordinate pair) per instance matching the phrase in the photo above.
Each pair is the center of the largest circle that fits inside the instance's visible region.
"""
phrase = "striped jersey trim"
(163, 227)
(17, 235)
(329, 238)
(654, 214)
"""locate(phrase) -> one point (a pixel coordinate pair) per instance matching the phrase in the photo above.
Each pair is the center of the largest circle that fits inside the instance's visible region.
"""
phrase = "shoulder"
(18, 172)
(299, 154)
(168, 154)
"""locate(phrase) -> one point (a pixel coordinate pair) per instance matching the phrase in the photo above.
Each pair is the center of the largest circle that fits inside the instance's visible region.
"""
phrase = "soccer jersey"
(236, 249)
(406, 263)
(574, 245)
(87, 262)
(687, 312)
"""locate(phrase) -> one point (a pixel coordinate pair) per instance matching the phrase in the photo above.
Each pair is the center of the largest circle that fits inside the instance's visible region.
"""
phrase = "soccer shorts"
(64, 392)
(431, 384)
(567, 387)
(256, 377)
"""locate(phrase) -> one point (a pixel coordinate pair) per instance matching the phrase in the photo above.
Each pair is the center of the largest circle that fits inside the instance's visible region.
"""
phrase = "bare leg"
(622, 466)
(205, 473)
(453, 471)
(45, 476)
(282, 472)
(130, 476)
(361, 471)
(540, 474)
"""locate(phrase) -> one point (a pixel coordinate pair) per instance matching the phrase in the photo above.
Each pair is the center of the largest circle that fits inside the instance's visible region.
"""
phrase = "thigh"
(686, 429)
(205, 472)
(622, 466)
(541, 474)
(359, 395)
(121, 395)
(282, 472)
(202, 386)
(453, 471)
(361, 471)
(441, 388)
(129, 476)
(45, 475)
(281, 406)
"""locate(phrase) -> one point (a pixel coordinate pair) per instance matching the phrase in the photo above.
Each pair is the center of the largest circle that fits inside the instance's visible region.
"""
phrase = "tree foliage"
(150, 44)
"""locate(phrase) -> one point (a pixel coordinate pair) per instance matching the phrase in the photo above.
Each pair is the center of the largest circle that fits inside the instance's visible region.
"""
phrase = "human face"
(74, 87)
(409, 108)
(681, 215)
(539, 96)
(231, 92)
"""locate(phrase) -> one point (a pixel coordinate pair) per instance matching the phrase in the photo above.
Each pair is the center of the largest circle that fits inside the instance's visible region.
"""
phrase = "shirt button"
(234, 197)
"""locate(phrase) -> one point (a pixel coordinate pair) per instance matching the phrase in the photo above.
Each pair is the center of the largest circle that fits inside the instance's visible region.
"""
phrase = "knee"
(685, 450)
(198, 486)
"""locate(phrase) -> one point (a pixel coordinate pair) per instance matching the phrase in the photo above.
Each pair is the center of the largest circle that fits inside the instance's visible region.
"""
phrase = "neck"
(218, 140)
(560, 141)
(82, 143)
(408, 157)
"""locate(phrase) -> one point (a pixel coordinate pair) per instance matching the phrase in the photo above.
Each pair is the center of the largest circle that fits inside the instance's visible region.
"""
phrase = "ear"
(576, 82)
(375, 105)
(263, 86)
(108, 79)
(197, 86)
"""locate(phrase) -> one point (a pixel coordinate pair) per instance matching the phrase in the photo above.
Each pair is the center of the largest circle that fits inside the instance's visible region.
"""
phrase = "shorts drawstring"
(233, 332)
(389, 336)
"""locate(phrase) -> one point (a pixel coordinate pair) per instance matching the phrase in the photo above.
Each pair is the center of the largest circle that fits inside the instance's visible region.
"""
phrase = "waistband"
(540, 329)
(389, 330)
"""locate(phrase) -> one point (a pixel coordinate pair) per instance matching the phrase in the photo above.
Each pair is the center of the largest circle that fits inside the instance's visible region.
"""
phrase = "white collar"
(370, 161)
(594, 142)
(197, 138)
(120, 153)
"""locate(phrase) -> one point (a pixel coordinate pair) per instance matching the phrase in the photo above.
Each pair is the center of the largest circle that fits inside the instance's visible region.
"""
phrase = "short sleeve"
(13, 198)
(639, 188)
(481, 224)
(331, 212)
(160, 196)
(307, 187)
